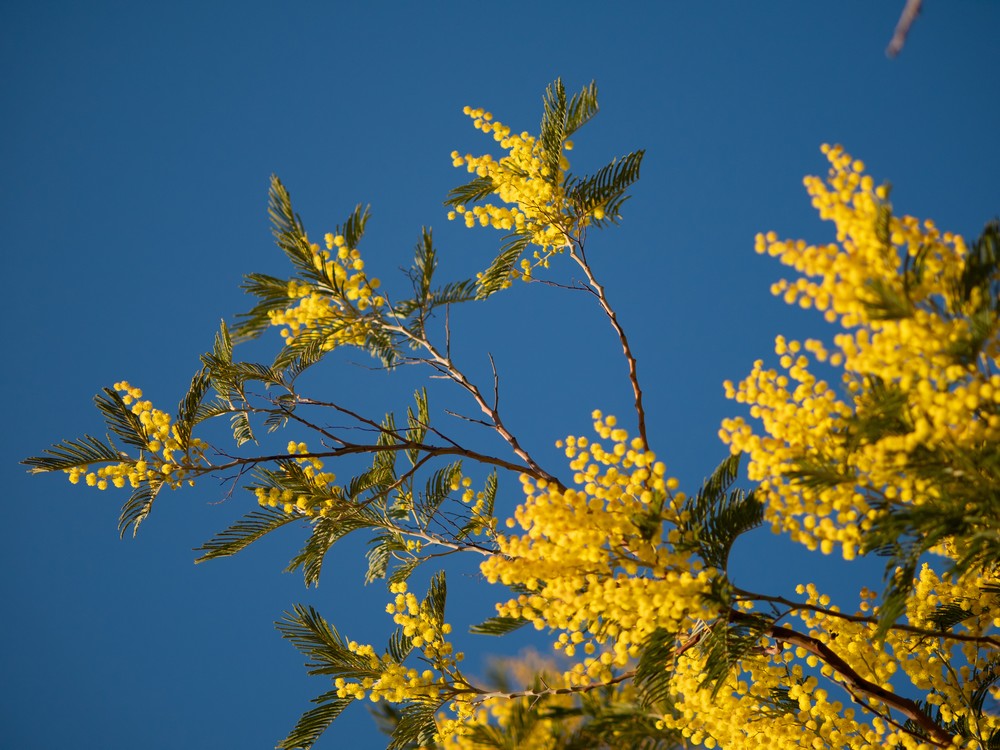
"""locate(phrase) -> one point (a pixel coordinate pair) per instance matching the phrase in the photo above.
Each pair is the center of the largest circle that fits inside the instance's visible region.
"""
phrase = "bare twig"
(444, 364)
(910, 12)
(626, 349)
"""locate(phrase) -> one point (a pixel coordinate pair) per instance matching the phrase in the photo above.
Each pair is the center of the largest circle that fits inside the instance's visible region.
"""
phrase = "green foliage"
(69, 454)
(244, 532)
(315, 721)
(727, 643)
(606, 188)
(498, 626)
(653, 670)
(120, 419)
(137, 508)
(497, 276)
(716, 517)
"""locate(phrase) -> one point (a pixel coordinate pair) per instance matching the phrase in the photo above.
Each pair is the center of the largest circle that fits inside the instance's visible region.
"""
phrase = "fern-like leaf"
(498, 626)
(315, 721)
(137, 508)
(244, 532)
(121, 420)
(70, 454)
(653, 671)
(497, 276)
(416, 726)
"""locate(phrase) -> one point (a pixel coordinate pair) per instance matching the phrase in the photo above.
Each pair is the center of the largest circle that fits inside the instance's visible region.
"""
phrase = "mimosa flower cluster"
(522, 180)
(901, 334)
(396, 683)
(594, 558)
(317, 493)
(534, 198)
(167, 458)
(336, 306)
(743, 714)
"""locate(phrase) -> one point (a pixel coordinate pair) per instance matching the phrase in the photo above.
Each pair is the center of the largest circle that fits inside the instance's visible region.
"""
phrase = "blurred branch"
(906, 19)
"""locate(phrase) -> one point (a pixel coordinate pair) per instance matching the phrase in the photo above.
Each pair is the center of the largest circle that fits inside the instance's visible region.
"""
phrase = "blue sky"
(138, 141)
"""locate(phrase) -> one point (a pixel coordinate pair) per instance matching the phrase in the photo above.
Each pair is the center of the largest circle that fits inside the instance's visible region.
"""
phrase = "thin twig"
(910, 12)
(447, 367)
(626, 349)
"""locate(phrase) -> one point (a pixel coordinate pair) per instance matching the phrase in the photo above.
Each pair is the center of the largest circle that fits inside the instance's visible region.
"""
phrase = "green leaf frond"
(245, 532)
(382, 550)
(354, 228)
(716, 516)
(437, 490)
(315, 721)
(498, 626)
(327, 531)
(728, 643)
(582, 108)
(242, 431)
(498, 275)
(655, 667)
(189, 407)
(884, 301)
(605, 188)
(417, 423)
(320, 642)
(437, 594)
(454, 293)
(404, 569)
(880, 411)
(981, 270)
(552, 134)
(296, 360)
(272, 295)
(816, 474)
(424, 264)
(470, 192)
(121, 420)
(947, 616)
(70, 454)
(416, 726)
(137, 508)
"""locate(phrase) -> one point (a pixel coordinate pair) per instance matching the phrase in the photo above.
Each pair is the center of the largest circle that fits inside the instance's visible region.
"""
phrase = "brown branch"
(445, 365)
(923, 632)
(855, 683)
(622, 338)
(352, 449)
(906, 19)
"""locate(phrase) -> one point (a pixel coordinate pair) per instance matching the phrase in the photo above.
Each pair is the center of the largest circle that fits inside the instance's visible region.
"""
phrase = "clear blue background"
(137, 143)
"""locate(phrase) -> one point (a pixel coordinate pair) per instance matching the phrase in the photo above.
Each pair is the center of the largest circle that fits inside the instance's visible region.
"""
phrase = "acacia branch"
(923, 632)
(622, 338)
(853, 682)
(446, 366)
(354, 449)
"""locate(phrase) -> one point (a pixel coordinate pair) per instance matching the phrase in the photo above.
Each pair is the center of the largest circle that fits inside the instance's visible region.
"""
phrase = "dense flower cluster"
(522, 180)
(392, 681)
(594, 558)
(317, 493)
(168, 458)
(745, 714)
(900, 338)
(338, 306)
(534, 198)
